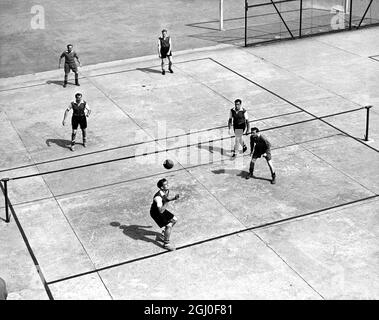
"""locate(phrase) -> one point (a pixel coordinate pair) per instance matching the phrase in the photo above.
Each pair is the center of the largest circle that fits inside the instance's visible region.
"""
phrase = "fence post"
(367, 120)
(7, 218)
(301, 18)
(246, 8)
(221, 7)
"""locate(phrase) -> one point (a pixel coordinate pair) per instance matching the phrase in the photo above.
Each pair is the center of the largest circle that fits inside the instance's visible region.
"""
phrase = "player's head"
(164, 32)
(78, 96)
(163, 184)
(69, 47)
(254, 132)
(237, 103)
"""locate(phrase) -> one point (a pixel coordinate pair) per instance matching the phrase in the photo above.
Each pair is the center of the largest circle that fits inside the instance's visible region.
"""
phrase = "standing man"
(161, 215)
(69, 64)
(164, 51)
(239, 118)
(260, 147)
(79, 117)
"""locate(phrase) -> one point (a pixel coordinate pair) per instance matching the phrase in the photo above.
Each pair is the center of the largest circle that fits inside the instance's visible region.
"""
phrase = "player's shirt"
(69, 57)
(158, 200)
(262, 145)
(239, 118)
(165, 43)
(78, 108)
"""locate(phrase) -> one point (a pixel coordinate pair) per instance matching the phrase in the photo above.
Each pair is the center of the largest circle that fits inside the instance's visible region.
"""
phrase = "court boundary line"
(261, 226)
(29, 248)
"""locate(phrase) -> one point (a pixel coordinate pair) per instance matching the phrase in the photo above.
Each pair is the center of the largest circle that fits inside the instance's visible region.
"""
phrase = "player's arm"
(161, 205)
(77, 58)
(88, 110)
(60, 59)
(66, 113)
(159, 48)
(230, 120)
(268, 146)
(170, 47)
(252, 145)
(176, 197)
(247, 126)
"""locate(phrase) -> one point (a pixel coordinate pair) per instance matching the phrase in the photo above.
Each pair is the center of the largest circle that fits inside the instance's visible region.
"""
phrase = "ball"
(168, 164)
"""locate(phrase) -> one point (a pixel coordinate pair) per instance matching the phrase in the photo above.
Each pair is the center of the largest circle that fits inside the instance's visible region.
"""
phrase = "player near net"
(260, 147)
(239, 119)
(79, 118)
(164, 218)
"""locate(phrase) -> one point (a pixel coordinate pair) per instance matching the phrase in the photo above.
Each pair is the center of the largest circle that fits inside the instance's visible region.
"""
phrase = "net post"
(350, 13)
(5, 181)
(367, 121)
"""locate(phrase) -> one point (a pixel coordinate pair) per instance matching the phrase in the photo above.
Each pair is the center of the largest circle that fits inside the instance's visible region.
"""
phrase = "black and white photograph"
(197, 152)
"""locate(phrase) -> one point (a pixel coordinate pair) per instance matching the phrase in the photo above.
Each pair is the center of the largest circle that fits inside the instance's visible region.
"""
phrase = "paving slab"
(52, 239)
(336, 253)
(17, 267)
(236, 267)
(88, 287)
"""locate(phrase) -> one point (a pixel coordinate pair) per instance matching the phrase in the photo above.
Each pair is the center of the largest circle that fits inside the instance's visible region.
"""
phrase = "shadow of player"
(239, 173)
(149, 70)
(213, 149)
(138, 232)
(57, 82)
(59, 142)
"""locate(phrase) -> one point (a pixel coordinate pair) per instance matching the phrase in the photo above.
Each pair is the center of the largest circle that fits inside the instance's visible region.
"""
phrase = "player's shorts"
(257, 155)
(68, 67)
(79, 120)
(164, 53)
(162, 219)
(239, 130)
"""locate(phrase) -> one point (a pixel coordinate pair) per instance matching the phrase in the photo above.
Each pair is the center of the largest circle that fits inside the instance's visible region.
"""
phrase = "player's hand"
(63, 123)
(264, 155)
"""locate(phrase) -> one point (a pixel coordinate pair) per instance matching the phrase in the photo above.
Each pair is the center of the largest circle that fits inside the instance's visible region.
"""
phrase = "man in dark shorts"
(164, 51)
(260, 147)
(79, 117)
(69, 64)
(239, 118)
(164, 218)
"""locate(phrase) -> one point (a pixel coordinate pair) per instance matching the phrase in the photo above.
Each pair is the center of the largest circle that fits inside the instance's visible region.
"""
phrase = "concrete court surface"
(313, 235)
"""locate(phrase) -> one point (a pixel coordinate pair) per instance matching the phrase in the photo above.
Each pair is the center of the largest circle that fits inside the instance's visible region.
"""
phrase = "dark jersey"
(154, 206)
(239, 120)
(262, 145)
(78, 108)
(69, 57)
(165, 43)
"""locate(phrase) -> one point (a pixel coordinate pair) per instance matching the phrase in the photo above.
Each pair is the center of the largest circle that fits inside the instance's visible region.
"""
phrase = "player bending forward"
(260, 147)
(164, 218)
